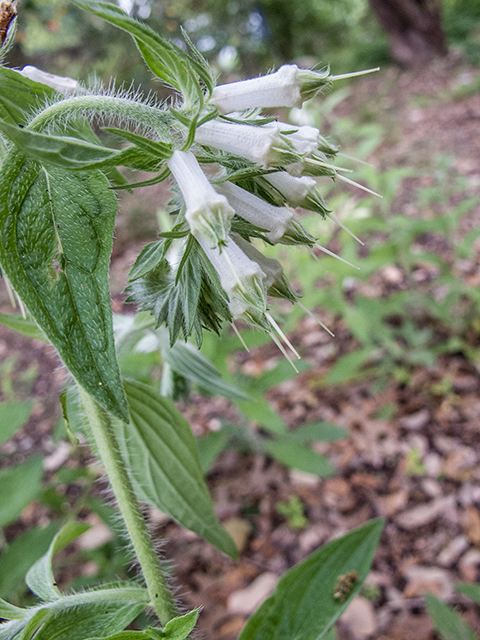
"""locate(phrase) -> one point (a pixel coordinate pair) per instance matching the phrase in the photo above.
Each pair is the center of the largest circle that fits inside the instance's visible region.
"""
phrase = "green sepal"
(156, 148)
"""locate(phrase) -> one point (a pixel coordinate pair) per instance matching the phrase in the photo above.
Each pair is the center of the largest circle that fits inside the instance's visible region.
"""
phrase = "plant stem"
(161, 599)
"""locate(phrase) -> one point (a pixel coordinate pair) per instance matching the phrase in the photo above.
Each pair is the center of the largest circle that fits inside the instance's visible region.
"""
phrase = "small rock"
(58, 457)
(468, 494)
(431, 488)
(423, 579)
(471, 524)
(246, 601)
(452, 551)
(360, 619)
(460, 464)
(416, 420)
(425, 513)
(95, 537)
(239, 529)
(303, 479)
(394, 502)
(392, 274)
(469, 565)
(433, 464)
(313, 537)
(337, 494)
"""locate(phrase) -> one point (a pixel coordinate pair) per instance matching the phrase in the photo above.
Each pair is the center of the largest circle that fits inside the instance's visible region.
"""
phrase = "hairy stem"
(161, 598)
(134, 112)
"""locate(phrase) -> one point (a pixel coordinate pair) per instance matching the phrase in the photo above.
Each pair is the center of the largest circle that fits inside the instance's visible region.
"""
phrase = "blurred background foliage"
(238, 37)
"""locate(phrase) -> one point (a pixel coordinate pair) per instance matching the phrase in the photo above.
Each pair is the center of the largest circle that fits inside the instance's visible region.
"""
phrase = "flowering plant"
(237, 175)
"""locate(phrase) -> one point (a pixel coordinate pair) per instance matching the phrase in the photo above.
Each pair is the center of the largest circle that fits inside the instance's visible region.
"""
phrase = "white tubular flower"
(287, 87)
(61, 84)
(298, 192)
(242, 280)
(255, 210)
(276, 282)
(263, 145)
(207, 212)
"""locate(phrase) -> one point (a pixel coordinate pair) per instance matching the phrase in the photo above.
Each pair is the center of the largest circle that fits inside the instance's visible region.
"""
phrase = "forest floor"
(412, 455)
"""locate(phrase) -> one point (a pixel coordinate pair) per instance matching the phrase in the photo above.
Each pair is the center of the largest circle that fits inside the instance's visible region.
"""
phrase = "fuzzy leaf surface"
(20, 96)
(303, 606)
(56, 232)
(160, 451)
(40, 578)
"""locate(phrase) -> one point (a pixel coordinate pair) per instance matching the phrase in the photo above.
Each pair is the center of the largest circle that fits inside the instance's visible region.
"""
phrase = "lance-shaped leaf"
(92, 621)
(161, 454)
(25, 326)
(165, 59)
(40, 578)
(65, 152)
(448, 623)
(19, 485)
(20, 96)
(162, 150)
(305, 603)
(10, 612)
(55, 245)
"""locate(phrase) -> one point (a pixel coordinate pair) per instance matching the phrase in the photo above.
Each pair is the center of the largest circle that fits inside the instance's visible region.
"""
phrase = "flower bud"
(61, 84)
(287, 87)
(242, 280)
(276, 282)
(276, 220)
(298, 192)
(263, 145)
(207, 212)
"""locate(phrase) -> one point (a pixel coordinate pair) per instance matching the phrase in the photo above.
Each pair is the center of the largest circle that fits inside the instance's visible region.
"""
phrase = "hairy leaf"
(9, 612)
(303, 605)
(40, 578)
(160, 451)
(20, 96)
(55, 245)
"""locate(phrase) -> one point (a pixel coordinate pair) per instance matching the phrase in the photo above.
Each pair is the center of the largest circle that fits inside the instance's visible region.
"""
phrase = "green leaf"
(447, 622)
(64, 152)
(157, 149)
(189, 362)
(55, 245)
(303, 605)
(19, 485)
(298, 456)
(180, 627)
(348, 366)
(160, 451)
(9, 612)
(20, 96)
(470, 590)
(259, 411)
(211, 445)
(40, 578)
(34, 623)
(25, 326)
(148, 258)
(95, 620)
(318, 432)
(165, 59)
(20, 555)
(13, 415)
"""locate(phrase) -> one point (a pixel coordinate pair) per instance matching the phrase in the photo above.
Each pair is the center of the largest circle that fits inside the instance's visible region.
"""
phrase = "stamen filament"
(340, 224)
(10, 293)
(344, 155)
(234, 272)
(312, 315)
(360, 186)
(334, 255)
(282, 349)
(353, 74)
(282, 335)
(325, 164)
(239, 336)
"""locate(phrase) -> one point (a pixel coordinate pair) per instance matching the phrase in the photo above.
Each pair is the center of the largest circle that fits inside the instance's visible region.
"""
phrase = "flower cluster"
(268, 168)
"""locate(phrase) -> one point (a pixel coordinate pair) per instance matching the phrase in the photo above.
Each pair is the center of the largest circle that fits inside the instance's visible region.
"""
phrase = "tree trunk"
(414, 29)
